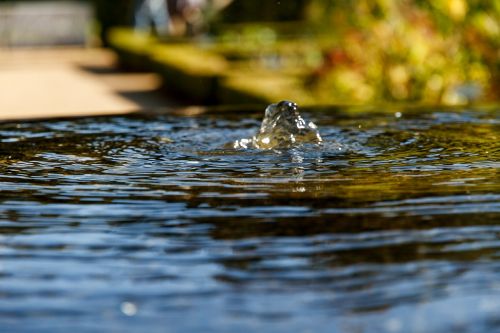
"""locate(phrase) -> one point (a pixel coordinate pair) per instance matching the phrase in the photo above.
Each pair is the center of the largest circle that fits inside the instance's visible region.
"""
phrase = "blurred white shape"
(129, 309)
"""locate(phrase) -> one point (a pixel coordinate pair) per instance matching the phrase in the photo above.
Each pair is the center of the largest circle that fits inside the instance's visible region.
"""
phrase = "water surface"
(149, 223)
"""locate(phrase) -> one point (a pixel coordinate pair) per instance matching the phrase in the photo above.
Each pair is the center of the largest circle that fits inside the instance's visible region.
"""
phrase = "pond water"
(148, 223)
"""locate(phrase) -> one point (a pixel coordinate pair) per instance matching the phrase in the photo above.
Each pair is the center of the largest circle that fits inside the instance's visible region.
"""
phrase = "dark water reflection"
(148, 223)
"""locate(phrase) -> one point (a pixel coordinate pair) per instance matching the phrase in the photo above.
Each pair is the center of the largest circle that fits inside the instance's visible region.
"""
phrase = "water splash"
(282, 127)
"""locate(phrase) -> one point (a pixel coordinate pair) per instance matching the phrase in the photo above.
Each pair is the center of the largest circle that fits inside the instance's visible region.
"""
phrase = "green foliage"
(191, 59)
(189, 71)
(133, 47)
(443, 51)
(365, 51)
(136, 41)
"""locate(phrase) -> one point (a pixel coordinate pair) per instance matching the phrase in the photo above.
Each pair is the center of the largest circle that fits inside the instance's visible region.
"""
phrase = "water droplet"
(128, 309)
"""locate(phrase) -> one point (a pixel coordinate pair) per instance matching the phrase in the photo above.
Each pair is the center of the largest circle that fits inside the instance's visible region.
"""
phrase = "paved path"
(71, 82)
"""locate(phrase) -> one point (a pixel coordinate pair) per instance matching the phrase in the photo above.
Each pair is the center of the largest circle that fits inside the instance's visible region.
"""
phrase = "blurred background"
(320, 51)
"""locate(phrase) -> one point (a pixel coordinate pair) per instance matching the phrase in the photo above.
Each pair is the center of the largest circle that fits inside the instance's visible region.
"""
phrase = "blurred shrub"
(443, 51)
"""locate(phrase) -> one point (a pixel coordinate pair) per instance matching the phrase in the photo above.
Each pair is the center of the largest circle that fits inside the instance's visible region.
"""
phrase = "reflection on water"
(149, 224)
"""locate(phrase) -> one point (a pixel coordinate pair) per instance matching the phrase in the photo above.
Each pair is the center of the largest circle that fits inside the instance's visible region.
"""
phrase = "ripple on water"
(134, 223)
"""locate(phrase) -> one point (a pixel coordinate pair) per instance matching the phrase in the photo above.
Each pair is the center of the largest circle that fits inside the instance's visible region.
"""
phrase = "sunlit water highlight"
(130, 224)
(282, 127)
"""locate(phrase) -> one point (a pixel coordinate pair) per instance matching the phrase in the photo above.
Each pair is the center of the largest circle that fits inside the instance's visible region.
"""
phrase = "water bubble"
(129, 309)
